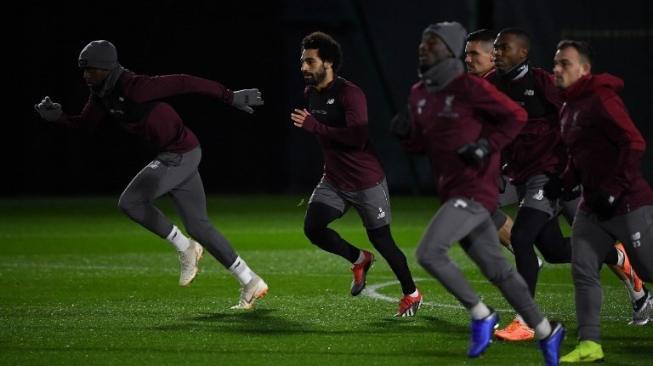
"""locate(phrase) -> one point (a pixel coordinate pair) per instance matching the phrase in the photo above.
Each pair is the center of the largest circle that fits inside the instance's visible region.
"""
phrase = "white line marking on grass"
(371, 292)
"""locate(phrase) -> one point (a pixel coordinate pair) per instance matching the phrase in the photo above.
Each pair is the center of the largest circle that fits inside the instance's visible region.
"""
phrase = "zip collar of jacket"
(109, 82)
(576, 89)
(516, 72)
(332, 84)
(592, 83)
(441, 74)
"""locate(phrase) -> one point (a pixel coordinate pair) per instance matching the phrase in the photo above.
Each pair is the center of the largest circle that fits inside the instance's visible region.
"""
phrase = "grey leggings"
(177, 175)
(469, 223)
(590, 241)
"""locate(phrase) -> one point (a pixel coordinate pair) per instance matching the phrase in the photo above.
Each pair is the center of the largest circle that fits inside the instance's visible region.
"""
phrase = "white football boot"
(255, 289)
(188, 260)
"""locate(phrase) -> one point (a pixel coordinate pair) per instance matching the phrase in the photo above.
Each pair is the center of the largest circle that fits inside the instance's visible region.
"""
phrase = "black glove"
(602, 204)
(244, 99)
(400, 125)
(553, 188)
(474, 153)
(502, 182)
(570, 194)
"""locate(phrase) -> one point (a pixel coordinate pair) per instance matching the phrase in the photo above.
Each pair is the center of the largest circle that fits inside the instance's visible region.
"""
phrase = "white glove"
(49, 111)
(244, 99)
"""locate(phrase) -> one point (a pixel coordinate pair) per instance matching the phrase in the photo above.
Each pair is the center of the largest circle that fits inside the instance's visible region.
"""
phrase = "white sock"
(521, 320)
(241, 271)
(620, 258)
(361, 258)
(479, 311)
(414, 294)
(543, 329)
(178, 239)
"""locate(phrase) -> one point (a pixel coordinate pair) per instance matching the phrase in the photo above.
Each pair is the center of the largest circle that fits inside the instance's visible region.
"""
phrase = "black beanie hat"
(452, 33)
(99, 55)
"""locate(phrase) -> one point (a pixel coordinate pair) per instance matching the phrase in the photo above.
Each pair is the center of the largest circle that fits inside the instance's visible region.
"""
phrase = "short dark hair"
(327, 48)
(482, 35)
(583, 48)
(520, 33)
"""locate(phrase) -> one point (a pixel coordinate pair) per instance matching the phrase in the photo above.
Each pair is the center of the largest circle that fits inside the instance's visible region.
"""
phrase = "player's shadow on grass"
(259, 321)
(266, 322)
(442, 325)
(418, 325)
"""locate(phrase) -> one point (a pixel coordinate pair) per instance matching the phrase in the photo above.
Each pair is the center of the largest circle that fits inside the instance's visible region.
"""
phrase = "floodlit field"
(80, 284)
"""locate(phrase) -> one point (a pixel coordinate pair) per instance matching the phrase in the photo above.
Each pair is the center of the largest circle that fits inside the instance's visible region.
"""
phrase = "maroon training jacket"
(604, 145)
(339, 120)
(160, 125)
(538, 148)
(464, 111)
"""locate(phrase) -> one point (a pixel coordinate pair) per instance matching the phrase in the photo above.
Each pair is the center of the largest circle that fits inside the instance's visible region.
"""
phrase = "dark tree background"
(257, 44)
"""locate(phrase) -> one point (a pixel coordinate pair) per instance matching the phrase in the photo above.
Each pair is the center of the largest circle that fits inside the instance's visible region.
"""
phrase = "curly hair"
(327, 48)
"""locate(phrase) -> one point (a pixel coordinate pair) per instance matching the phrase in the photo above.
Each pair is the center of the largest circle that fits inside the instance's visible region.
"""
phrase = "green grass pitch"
(80, 284)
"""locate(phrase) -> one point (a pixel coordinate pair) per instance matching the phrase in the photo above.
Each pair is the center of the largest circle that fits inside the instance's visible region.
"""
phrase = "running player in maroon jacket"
(462, 123)
(337, 115)
(479, 59)
(535, 159)
(605, 150)
(133, 102)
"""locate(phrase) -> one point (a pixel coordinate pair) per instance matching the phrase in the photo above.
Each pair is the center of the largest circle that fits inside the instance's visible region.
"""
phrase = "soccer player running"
(462, 122)
(337, 115)
(133, 102)
(479, 58)
(605, 151)
(534, 160)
